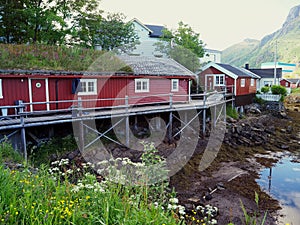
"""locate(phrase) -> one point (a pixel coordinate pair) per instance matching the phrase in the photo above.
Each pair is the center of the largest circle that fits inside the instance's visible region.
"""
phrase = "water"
(283, 183)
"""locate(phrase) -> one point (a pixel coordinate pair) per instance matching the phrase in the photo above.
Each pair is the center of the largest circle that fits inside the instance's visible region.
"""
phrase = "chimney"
(247, 66)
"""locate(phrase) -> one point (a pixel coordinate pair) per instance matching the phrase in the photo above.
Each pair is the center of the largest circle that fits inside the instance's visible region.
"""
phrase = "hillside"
(288, 45)
(236, 53)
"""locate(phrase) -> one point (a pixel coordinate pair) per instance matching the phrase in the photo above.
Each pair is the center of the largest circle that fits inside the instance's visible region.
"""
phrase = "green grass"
(54, 196)
(231, 112)
(296, 91)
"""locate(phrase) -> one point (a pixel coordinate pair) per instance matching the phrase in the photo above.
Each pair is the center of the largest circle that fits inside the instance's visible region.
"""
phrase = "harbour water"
(282, 181)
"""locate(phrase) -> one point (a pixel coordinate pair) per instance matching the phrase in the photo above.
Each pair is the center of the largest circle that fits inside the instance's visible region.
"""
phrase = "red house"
(239, 81)
(290, 83)
(150, 81)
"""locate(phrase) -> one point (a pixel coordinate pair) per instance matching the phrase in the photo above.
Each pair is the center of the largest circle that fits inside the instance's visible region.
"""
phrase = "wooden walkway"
(27, 119)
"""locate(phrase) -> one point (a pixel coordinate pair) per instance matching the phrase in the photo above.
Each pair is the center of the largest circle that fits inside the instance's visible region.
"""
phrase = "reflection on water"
(283, 183)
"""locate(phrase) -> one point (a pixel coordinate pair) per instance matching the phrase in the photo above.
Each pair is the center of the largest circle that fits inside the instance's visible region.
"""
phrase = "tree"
(183, 45)
(11, 21)
(114, 34)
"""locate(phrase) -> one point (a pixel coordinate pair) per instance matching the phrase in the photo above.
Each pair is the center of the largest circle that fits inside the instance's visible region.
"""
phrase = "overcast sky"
(221, 23)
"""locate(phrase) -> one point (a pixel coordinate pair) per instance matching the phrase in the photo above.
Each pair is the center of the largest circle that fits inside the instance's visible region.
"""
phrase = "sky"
(220, 23)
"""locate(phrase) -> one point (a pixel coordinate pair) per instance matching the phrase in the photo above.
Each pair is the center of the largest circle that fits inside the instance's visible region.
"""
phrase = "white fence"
(269, 97)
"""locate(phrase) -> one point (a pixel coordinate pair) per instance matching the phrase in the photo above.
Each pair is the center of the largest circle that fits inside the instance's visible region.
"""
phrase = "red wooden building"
(239, 81)
(290, 83)
(151, 81)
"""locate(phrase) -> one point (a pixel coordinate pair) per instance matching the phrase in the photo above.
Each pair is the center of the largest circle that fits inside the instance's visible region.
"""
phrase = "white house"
(211, 55)
(148, 36)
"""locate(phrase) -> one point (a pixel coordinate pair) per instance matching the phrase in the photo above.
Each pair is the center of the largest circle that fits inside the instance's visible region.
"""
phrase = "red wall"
(60, 88)
(158, 86)
(284, 82)
(248, 89)
(14, 89)
(229, 81)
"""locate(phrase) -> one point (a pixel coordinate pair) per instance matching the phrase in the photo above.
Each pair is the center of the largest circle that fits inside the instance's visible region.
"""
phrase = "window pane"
(83, 86)
(138, 85)
(221, 80)
(91, 87)
(217, 80)
(145, 85)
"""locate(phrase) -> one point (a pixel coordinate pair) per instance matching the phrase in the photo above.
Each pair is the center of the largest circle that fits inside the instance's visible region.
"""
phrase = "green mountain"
(257, 52)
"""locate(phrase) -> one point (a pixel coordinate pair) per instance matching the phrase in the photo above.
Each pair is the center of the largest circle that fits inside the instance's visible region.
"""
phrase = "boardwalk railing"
(269, 97)
(68, 106)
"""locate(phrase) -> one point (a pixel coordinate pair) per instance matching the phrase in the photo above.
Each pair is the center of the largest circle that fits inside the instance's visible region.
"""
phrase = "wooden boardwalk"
(28, 119)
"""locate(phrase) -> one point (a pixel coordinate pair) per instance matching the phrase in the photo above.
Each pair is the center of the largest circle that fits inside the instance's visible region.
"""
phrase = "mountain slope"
(288, 46)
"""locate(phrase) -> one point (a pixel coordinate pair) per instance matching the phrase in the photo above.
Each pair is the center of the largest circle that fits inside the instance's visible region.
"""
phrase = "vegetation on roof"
(45, 57)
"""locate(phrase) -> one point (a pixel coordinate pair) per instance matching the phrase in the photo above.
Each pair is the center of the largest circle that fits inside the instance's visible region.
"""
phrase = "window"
(219, 80)
(141, 85)
(88, 87)
(286, 84)
(1, 93)
(175, 85)
(252, 82)
(243, 82)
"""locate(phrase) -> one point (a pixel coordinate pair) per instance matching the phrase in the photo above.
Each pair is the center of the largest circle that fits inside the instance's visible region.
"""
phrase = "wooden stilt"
(171, 127)
(23, 134)
(127, 122)
(204, 121)
(158, 123)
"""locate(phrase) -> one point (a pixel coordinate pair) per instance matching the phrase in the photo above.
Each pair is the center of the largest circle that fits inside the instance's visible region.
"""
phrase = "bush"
(278, 90)
(265, 89)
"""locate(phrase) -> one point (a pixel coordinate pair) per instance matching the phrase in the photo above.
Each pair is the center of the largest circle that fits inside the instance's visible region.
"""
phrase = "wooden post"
(158, 123)
(204, 114)
(171, 119)
(215, 116)
(204, 121)
(81, 133)
(127, 121)
(23, 133)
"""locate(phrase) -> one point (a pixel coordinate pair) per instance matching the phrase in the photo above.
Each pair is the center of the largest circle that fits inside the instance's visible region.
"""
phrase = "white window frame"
(217, 80)
(243, 82)
(1, 91)
(142, 88)
(286, 84)
(252, 82)
(86, 83)
(175, 81)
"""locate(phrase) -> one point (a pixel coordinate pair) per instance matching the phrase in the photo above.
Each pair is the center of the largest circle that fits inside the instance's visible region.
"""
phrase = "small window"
(175, 85)
(286, 84)
(1, 92)
(243, 82)
(219, 80)
(88, 87)
(141, 85)
(252, 82)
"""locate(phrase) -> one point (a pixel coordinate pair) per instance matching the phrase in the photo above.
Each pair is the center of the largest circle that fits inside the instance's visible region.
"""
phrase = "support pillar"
(204, 121)
(81, 128)
(171, 127)
(127, 122)
(158, 123)
(23, 134)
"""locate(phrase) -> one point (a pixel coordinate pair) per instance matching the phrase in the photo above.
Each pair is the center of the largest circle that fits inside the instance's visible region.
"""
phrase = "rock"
(289, 129)
(284, 147)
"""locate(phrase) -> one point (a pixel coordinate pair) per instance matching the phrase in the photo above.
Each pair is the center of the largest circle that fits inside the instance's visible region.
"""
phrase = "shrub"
(265, 89)
(278, 90)
(7, 153)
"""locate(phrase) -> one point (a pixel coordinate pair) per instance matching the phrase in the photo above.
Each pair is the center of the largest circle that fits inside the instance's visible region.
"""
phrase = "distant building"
(287, 68)
(151, 34)
(211, 55)
(267, 76)
(148, 36)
